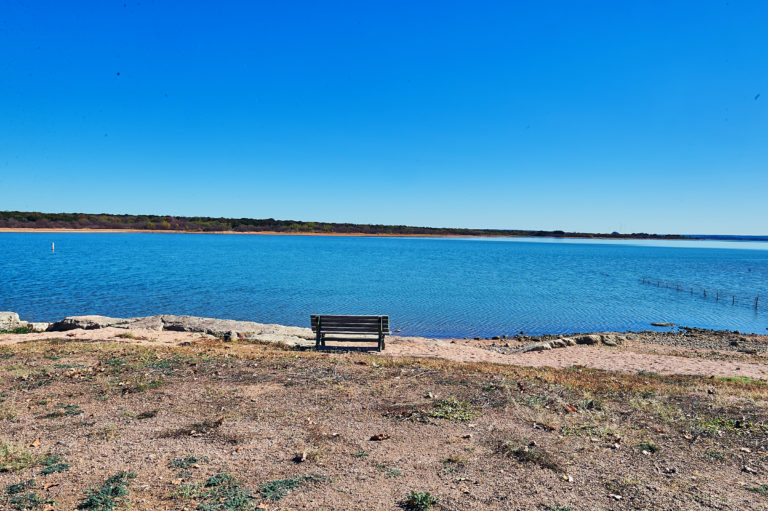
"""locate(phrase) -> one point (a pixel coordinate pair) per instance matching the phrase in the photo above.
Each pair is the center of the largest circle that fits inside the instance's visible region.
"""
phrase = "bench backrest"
(350, 324)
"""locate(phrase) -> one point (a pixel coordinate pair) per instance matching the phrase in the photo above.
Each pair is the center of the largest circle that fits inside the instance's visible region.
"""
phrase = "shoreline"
(690, 351)
(89, 230)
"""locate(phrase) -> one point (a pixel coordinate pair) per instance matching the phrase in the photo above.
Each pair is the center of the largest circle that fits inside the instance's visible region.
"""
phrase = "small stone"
(467, 436)
(749, 470)
(745, 449)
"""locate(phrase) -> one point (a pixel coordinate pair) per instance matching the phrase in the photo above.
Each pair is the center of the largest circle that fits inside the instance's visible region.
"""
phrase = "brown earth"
(471, 426)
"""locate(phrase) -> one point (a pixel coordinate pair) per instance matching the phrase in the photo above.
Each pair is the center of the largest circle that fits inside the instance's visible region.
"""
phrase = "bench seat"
(349, 329)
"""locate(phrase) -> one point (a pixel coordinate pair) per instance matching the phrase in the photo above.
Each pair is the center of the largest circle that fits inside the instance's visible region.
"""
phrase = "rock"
(612, 339)
(588, 339)
(84, 322)
(9, 320)
(39, 327)
(539, 346)
(557, 343)
(568, 341)
(663, 324)
(231, 336)
(148, 323)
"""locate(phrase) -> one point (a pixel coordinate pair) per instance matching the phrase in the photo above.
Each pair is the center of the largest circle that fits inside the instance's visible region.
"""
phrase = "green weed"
(649, 447)
(109, 495)
(14, 458)
(453, 410)
(761, 489)
(52, 465)
(419, 501)
(276, 490)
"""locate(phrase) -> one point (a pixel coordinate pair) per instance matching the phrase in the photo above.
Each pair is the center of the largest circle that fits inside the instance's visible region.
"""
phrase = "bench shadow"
(348, 348)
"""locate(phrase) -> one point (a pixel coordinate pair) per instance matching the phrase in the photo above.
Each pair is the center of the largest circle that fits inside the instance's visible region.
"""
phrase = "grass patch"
(740, 379)
(419, 501)
(26, 501)
(276, 490)
(223, 493)
(452, 410)
(15, 489)
(109, 495)
(186, 462)
(711, 426)
(18, 330)
(761, 489)
(64, 411)
(714, 455)
(147, 415)
(52, 464)
(14, 458)
(528, 453)
(648, 447)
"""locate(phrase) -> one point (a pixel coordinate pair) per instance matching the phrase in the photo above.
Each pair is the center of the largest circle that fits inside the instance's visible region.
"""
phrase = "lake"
(435, 287)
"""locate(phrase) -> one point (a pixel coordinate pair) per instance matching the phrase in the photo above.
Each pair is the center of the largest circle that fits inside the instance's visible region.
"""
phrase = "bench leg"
(381, 343)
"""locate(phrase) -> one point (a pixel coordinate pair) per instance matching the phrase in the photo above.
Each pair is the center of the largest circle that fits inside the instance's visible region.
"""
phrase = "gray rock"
(222, 328)
(557, 343)
(9, 320)
(568, 341)
(588, 339)
(84, 322)
(149, 323)
(539, 346)
(613, 339)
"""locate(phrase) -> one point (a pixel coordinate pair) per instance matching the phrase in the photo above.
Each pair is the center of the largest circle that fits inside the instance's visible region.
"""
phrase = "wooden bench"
(349, 329)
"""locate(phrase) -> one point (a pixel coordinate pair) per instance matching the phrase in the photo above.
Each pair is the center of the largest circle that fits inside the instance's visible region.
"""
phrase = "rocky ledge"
(10, 321)
(226, 329)
(607, 339)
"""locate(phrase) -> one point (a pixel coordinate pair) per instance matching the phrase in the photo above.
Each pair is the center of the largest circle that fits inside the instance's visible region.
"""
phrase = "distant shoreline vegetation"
(35, 220)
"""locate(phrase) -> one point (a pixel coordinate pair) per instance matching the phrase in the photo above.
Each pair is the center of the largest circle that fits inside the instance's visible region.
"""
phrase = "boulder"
(38, 327)
(84, 322)
(9, 320)
(568, 341)
(557, 343)
(539, 346)
(588, 339)
(612, 339)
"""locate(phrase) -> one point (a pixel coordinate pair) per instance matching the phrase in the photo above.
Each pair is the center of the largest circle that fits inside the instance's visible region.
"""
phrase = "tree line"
(37, 220)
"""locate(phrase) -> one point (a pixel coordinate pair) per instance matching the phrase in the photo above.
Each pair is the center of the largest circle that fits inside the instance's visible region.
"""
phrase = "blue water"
(431, 287)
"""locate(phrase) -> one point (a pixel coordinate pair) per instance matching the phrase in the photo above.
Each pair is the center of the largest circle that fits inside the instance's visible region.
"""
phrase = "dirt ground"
(190, 422)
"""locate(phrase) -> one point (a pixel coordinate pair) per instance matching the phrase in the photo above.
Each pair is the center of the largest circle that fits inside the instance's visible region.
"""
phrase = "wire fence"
(755, 302)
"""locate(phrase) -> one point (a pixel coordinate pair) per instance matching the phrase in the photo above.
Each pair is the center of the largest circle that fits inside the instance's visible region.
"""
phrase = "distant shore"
(343, 234)
(32, 221)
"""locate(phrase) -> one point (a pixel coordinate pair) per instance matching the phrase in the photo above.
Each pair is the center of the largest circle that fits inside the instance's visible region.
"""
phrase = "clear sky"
(582, 116)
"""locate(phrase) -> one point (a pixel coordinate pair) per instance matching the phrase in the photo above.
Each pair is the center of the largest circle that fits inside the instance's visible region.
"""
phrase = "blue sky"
(584, 116)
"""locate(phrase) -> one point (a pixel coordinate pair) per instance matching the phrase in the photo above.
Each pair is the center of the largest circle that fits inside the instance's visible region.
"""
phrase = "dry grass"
(299, 424)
